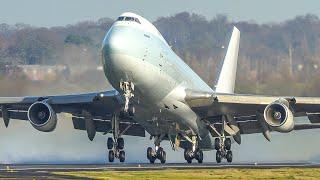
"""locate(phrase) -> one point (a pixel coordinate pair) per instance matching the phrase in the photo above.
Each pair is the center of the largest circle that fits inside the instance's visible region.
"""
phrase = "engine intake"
(42, 116)
(278, 116)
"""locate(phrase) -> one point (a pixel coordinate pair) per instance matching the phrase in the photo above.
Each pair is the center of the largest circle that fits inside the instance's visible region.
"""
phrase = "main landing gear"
(223, 144)
(189, 155)
(223, 147)
(116, 149)
(158, 152)
(194, 152)
(116, 144)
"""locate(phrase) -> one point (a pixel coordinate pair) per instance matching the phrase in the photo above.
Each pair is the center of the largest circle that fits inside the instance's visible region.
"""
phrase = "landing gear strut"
(223, 146)
(116, 144)
(158, 152)
(194, 152)
(127, 88)
(116, 149)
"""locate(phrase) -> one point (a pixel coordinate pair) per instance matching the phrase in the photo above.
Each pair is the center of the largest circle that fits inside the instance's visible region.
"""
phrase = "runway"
(33, 171)
(137, 167)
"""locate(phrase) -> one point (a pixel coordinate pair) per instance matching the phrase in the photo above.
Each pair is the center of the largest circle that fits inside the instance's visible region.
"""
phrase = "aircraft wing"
(243, 105)
(99, 105)
(246, 109)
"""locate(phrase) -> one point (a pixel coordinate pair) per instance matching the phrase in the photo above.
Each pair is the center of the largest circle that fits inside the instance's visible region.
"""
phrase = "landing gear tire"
(199, 156)
(122, 156)
(218, 156)
(227, 143)
(163, 158)
(111, 156)
(217, 144)
(229, 156)
(152, 160)
(120, 143)
(110, 143)
(161, 154)
(189, 160)
(149, 153)
(187, 156)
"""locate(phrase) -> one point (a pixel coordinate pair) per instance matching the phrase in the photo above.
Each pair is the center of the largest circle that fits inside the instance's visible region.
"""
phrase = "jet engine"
(279, 116)
(42, 116)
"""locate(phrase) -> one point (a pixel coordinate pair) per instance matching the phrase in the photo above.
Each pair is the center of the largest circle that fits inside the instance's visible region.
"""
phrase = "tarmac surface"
(33, 171)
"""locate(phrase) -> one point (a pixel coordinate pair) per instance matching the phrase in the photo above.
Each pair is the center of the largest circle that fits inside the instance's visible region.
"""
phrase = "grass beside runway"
(232, 173)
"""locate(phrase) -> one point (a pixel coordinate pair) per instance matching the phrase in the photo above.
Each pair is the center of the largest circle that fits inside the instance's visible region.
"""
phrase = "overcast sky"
(62, 12)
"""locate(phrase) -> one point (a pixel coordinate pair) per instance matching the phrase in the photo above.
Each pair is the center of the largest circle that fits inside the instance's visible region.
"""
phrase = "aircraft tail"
(227, 77)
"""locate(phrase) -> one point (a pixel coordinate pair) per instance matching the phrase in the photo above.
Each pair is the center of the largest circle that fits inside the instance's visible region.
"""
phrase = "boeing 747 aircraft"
(156, 92)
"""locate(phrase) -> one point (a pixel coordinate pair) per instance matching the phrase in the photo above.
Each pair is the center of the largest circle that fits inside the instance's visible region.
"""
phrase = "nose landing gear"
(127, 88)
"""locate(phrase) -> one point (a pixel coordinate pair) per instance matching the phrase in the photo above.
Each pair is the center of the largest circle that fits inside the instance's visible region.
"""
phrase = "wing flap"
(314, 117)
(105, 126)
(18, 115)
(253, 126)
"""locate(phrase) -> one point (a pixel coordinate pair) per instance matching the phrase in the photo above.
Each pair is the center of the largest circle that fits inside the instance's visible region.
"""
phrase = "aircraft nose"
(114, 42)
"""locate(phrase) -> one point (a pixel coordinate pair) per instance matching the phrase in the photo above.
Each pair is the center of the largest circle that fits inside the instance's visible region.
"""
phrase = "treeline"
(278, 58)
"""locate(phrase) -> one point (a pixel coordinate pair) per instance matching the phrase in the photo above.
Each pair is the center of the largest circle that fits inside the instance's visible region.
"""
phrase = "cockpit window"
(123, 18)
(129, 19)
(137, 20)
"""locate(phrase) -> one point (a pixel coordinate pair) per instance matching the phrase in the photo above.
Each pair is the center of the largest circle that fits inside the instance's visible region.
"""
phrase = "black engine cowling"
(42, 116)
(278, 116)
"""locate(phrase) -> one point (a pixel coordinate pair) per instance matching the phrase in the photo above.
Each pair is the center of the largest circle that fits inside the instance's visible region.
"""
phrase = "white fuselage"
(136, 52)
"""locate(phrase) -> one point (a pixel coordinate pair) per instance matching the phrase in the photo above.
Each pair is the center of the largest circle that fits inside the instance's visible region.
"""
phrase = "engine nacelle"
(42, 116)
(278, 116)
